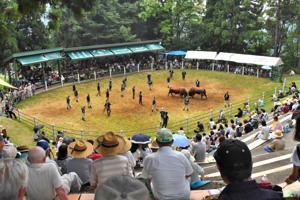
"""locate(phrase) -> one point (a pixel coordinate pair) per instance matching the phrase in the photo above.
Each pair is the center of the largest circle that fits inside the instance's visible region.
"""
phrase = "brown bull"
(181, 91)
(201, 92)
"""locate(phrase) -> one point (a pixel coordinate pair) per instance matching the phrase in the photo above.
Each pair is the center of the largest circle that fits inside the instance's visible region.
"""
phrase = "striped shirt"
(108, 166)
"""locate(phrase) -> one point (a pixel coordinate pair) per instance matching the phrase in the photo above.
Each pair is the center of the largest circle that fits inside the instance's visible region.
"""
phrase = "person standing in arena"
(133, 92)
(98, 90)
(76, 95)
(186, 103)
(140, 98)
(74, 87)
(107, 107)
(154, 104)
(110, 84)
(68, 102)
(197, 83)
(168, 80)
(88, 99)
(83, 113)
(107, 94)
(226, 99)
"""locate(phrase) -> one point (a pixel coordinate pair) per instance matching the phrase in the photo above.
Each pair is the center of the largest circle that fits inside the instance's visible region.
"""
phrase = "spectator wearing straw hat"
(80, 164)
(169, 170)
(278, 143)
(111, 164)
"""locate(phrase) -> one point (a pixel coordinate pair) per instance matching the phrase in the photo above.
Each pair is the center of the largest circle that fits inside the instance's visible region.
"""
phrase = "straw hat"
(153, 144)
(110, 144)
(80, 149)
(23, 148)
(277, 134)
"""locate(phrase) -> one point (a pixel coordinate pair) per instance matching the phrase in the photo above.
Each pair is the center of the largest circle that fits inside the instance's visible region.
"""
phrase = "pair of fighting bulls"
(192, 92)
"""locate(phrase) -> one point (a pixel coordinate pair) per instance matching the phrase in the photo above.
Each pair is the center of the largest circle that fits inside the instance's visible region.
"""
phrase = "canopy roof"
(201, 55)
(175, 53)
(85, 52)
(249, 59)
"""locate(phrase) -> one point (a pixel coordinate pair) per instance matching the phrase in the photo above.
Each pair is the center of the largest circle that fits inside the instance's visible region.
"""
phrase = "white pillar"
(62, 80)
(151, 64)
(110, 72)
(95, 75)
(228, 68)
(210, 114)
(213, 67)
(197, 65)
(166, 65)
(78, 78)
(46, 86)
(257, 73)
(124, 70)
(82, 134)
(138, 67)
(243, 70)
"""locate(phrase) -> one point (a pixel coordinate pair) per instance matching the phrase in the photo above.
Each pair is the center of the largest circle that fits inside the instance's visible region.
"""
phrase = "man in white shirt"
(168, 170)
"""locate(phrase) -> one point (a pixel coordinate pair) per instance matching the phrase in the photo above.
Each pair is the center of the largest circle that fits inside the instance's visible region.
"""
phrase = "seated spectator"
(232, 132)
(13, 179)
(240, 113)
(211, 124)
(199, 149)
(197, 169)
(111, 164)
(127, 153)
(154, 146)
(22, 151)
(44, 180)
(247, 127)
(221, 129)
(234, 162)
(264, 131)
(62, 158)
(264, 114)
(239, 130)
(276, 125)
(166, 183)
(200, 126)
(80, 164)
(145, 151)
(261, 102)
(285, 109)
(222, 116)
(42, 136)
(278, 143)
(181, 131)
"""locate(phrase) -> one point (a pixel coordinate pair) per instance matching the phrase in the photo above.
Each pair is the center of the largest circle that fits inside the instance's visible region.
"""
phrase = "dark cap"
(233, 155)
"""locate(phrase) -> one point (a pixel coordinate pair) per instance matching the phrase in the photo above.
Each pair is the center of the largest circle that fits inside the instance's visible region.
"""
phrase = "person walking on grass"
(226, 99)
(133, 92)
(107, 94)
(68, 102)
(98, 90)
(107, 107)
(168, 80)
(76, 95)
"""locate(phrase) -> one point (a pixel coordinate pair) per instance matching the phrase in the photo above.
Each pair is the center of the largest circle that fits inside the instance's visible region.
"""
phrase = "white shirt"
(43, 179)
(168, 169)
(295, 159)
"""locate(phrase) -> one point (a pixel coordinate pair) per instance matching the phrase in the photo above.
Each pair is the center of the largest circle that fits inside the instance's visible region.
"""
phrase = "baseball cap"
(164, 135)
(44, 144)
(122, 188)
(233, 155)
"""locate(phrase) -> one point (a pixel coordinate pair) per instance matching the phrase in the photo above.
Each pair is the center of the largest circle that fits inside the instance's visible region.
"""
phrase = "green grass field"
(127, 115)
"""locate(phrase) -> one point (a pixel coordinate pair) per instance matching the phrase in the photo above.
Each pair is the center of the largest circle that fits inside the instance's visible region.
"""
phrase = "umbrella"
(140, 139)
(181, 141)
(266, 67)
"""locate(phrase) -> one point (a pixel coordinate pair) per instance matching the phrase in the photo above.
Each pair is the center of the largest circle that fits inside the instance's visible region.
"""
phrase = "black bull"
(181, 91)
(201, 92)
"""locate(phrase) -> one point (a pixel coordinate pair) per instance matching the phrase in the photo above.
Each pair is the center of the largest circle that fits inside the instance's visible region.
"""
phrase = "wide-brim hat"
(110, 144)
(23, 148)
(153, 144)
(80, 149)
(277, 134)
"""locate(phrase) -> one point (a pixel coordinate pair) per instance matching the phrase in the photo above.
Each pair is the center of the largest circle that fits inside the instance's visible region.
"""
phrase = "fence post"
(46, 86)
(151, 65)
(95, 75)
(62, 80)
(78, 78)
(138, 67)
(122, 133)
(157, 127)
(124, 71)
(283, 85)
(230, 109)
(82, 134)
(53, 132)
(210, 114)
(275, 91)
(34, 121)
(249, 101)
(197, 65)
(110, 72)
(187, 124)
(213, 67)
(227, 68)
(257, 73)
(243, 70)
(19, 116)
(166, 65)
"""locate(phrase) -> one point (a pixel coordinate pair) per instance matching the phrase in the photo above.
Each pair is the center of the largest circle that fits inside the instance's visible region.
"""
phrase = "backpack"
(286, 128)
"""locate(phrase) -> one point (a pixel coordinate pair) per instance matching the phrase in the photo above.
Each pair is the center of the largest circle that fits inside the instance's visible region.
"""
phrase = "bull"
(193, 91)
(181, 91)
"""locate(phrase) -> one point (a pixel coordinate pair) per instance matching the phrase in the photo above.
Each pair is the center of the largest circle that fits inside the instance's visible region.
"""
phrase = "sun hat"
(110, 144)
(23, 148)
(164, 135)
(122, 187)
(80, 149)
(153, 144)
(127, 146)
(233, 155)
(277, 134)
